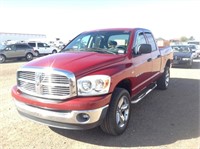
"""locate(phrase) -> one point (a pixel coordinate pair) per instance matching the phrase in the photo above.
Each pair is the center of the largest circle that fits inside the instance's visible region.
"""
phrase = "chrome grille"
(50, 84)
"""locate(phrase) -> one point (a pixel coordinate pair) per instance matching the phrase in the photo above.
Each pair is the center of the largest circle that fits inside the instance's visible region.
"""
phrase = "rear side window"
(22, 46)
(151, 41)
(31, 44)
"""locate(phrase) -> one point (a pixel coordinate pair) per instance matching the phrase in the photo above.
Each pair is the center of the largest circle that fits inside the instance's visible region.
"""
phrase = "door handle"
(150, 59)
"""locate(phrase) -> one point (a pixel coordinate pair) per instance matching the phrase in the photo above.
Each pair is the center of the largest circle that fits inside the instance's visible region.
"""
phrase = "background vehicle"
(196, 49)
(194, 42)
(183, 55)
(93, 81)
(17, 50)
(42, 48)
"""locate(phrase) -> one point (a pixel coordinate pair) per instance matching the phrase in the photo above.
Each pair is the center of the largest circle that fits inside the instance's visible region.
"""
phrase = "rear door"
(20, 50)
(155, 55)
(142, 64)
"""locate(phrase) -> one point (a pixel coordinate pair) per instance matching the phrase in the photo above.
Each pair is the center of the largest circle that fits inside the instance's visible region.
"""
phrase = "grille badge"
(38, 80)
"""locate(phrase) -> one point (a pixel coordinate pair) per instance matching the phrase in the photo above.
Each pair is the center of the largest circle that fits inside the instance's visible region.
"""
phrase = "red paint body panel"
(79, 63)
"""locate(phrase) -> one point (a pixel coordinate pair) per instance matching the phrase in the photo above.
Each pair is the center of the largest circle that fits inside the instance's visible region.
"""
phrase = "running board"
(144, 94)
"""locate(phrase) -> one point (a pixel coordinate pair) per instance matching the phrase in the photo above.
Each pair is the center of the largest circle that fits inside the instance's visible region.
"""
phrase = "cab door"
(142, 65)
(41, 48)
(47, 48)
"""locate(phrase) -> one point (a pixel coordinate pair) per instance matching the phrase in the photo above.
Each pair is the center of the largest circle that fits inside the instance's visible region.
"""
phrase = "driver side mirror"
(145, 48)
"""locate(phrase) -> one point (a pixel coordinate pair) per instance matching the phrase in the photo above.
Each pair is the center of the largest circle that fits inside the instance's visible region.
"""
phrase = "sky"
(65, 19)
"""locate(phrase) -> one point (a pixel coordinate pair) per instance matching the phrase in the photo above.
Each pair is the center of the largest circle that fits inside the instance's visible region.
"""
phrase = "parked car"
(195, 49)
(17, 50)
(183, 55)
(42, 48)
(94, 80)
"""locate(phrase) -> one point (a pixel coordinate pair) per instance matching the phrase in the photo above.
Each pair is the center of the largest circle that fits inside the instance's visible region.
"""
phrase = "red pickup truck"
(93, 80)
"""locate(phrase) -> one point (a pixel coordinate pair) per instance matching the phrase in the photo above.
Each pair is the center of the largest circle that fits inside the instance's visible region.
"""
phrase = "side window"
(31, 44)
(11, 47)
(151, 41)
(18, 47)
(140, 39)
(46, 45)
(40, 45)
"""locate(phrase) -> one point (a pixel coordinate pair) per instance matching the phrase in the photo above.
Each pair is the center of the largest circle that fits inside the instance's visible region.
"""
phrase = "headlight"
(185, 59)
(93, 85)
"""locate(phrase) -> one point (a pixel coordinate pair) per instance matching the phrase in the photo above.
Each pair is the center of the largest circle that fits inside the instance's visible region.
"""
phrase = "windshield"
(109, 42)
(181, 49)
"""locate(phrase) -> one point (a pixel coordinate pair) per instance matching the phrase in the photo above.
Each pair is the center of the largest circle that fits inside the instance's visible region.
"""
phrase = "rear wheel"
(54, 51)
(117, 118)
(2, 58)
(29, 57)
(163, 82)
(37, 53)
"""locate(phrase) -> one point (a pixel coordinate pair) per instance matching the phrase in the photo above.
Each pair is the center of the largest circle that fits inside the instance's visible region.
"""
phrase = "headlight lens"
(93, 85)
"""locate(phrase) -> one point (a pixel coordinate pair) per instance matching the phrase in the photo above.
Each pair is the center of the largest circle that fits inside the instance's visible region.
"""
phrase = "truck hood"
(77, 62)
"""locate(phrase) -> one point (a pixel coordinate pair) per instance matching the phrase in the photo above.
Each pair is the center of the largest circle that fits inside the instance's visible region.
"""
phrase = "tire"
(29, 57)
(118, 115)
(163, 81)
(2, 58)
(54, 51)
(37, 53)
(190, 64)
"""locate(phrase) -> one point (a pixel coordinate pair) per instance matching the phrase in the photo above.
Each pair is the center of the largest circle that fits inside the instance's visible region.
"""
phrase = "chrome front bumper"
(63, 119)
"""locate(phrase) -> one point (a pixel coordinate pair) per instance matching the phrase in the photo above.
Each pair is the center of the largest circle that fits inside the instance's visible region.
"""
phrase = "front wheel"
(163, 81)
(2, 59)
(118, 115)
(29, 57)
(190, 64)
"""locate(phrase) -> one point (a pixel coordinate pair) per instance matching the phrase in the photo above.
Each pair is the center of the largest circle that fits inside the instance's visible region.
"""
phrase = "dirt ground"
(163, 120)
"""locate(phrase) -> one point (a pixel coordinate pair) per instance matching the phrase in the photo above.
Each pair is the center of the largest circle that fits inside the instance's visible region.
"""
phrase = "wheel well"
(3, 55)
(29, 53)
(126, 84)
(168, 64)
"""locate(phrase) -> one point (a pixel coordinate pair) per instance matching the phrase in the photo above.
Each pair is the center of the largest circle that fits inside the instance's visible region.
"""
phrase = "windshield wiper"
(67, 50)
(99, 50)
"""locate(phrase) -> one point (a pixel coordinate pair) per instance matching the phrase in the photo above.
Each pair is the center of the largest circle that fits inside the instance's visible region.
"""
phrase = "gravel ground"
(163, 120)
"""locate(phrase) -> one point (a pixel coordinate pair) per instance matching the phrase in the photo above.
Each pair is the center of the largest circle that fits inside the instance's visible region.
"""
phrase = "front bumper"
(76, 119)
(181, 62)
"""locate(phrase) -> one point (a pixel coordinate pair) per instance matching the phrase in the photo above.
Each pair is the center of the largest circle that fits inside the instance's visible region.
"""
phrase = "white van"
(42, 48)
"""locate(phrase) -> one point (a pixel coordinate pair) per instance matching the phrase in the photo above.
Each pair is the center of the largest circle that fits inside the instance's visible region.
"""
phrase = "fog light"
(82, 117)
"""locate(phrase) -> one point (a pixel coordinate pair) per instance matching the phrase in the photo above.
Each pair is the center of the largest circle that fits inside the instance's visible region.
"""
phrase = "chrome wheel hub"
(167, 76)
(122, 112)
